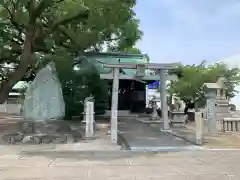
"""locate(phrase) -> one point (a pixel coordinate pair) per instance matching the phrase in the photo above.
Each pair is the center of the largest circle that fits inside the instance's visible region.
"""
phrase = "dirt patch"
(219, 140)
(223, 140)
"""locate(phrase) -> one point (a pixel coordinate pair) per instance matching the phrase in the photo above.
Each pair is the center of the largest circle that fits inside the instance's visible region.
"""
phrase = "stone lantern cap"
(211, 86)
(217, 85)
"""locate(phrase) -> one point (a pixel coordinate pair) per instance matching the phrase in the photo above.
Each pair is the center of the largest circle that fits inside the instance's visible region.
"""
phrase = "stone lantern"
(217, 104)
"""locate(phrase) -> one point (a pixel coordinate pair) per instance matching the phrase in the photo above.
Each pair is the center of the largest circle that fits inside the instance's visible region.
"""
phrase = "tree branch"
(81, 16)
(12, 19)
(12, 54)
(39, 9)
(67, 35)
(44, 4)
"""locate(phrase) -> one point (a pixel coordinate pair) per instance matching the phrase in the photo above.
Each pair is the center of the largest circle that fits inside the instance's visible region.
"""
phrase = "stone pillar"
(218, 93)
(199, 128)
(146, 96)
(163, 96)
(211, 110)
(114, 108)
(89, 115)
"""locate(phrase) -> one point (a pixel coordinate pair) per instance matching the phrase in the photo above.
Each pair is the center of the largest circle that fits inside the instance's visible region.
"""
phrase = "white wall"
(10, 108)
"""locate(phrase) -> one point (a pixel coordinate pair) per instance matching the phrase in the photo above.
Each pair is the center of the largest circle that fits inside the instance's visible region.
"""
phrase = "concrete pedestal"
(89, 119)
(199, 128)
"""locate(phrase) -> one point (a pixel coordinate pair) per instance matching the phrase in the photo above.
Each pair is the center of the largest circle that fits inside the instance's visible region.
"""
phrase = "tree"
(34, 31)
(79, 84)
(192, 77)
(134, 50)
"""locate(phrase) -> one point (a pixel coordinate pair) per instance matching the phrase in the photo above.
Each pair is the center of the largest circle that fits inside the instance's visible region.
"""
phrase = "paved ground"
(100, 159)
(142, 136)
(218, 140)
(61, 163)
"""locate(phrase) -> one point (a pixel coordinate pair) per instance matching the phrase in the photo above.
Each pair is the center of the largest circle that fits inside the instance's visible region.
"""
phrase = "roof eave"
(113, 54)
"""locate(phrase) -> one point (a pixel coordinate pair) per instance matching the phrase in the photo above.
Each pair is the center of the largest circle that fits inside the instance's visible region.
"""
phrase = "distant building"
(234, 62)
(14, 102)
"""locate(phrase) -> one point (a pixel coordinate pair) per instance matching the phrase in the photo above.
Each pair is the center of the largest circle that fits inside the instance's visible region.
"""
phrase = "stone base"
(199, 141)
(90, 138)
(177, 124)
(149, 120)
(43, 132)
(166, 130)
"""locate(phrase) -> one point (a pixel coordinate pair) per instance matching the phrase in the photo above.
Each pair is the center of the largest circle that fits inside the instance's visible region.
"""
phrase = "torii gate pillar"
(114, 108)
(163, 97)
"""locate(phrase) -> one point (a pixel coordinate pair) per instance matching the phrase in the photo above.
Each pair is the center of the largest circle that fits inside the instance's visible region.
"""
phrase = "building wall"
(12, 105)
(10, 108)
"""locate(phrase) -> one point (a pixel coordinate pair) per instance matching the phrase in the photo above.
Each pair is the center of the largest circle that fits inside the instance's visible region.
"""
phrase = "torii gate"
(140, 75)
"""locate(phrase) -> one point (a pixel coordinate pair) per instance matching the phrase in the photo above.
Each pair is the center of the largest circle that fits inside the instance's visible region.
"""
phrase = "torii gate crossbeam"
(116, 76)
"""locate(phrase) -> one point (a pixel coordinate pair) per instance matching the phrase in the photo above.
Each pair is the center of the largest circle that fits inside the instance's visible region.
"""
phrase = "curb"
(221, 149)
(179, 136)
(166, 148)
(184, 138)
(123, 142)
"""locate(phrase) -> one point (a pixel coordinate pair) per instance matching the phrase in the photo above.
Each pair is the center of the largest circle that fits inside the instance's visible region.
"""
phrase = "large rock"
(43, 98)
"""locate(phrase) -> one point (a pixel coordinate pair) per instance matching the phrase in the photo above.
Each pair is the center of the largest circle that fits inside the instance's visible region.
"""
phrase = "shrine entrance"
(160, 74)
(131, 95)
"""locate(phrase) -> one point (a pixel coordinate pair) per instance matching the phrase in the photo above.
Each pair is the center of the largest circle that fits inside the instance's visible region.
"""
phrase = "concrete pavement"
(101, 160)
(61, 163)
(140, 136)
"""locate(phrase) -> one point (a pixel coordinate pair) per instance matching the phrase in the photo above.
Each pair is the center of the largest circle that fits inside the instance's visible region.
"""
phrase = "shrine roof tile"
(116, 58)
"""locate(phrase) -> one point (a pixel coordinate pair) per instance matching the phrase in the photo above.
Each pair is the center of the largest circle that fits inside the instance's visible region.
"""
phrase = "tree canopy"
(33, 31)
(135, 50)
(192, 77)
(79, 84)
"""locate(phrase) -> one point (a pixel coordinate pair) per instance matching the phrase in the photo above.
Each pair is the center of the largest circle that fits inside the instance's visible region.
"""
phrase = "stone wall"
(42, 132)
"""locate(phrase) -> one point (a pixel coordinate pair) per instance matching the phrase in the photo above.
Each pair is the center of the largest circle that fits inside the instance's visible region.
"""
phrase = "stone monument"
(43, 98)
(210, 90)
(43, 111)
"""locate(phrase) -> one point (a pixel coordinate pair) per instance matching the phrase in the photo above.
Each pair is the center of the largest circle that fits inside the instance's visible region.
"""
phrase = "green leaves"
(22, 18)
(73, 24)
(189, 85)
(77, 85)
(60, 28)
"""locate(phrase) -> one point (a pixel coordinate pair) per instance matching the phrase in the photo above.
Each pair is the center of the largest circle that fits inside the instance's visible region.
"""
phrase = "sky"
(189, 31)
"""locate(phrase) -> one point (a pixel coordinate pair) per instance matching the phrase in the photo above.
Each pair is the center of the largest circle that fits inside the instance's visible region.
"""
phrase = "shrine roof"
(118, 57)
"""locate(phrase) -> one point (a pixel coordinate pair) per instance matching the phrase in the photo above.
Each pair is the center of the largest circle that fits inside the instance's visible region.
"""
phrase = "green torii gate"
(161, 76)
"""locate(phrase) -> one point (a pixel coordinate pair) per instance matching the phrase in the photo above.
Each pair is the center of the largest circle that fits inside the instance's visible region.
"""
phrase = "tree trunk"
(18, 74)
